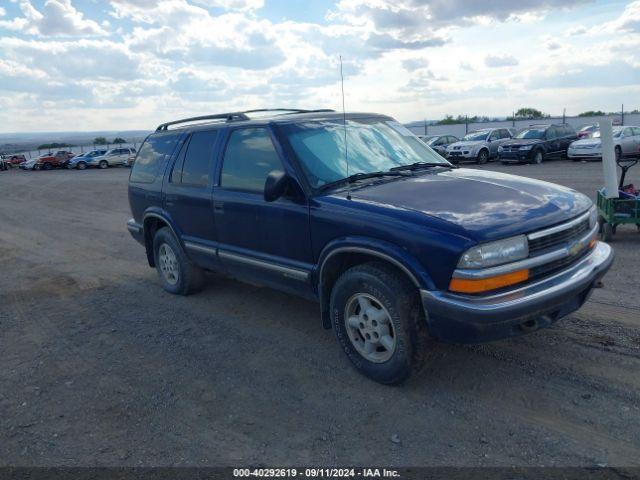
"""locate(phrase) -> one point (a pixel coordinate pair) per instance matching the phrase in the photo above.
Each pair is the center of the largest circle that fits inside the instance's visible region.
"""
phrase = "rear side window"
(153, 154)
(249, 158)
(194, 162)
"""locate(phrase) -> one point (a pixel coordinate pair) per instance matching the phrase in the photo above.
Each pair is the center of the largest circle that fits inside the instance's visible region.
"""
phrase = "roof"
(271, 116)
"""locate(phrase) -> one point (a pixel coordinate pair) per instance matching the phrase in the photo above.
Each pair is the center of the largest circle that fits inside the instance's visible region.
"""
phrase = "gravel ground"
(99, 366)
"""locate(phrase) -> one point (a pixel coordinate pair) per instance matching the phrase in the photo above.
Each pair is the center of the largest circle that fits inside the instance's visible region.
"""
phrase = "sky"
(84, 65)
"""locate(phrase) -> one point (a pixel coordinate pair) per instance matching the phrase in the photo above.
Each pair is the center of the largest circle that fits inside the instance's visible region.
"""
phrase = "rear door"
(553, 142)
(267, 242)
(628, 141)
(187, 195)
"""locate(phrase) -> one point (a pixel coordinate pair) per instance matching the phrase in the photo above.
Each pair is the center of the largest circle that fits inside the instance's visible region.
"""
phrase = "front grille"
(556, 266)
(563, 237)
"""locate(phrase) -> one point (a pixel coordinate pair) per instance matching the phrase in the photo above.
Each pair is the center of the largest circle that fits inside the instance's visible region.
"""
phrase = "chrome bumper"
(473, 318)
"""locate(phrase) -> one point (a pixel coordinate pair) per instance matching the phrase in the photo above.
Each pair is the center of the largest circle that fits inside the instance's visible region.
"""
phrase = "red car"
(14, 160)
(49, 161)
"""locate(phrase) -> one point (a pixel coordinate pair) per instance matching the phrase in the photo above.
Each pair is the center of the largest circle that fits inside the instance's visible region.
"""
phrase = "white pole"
(608, 159)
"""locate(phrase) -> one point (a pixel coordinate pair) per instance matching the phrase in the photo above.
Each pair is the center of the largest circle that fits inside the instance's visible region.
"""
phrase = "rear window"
(153, 153)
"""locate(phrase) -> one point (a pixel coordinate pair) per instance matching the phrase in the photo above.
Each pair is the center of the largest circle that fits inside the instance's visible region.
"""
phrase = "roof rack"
(238, 116)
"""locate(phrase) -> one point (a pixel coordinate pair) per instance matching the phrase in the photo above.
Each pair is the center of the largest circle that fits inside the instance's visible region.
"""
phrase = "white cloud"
(497, 61)
(57, 18)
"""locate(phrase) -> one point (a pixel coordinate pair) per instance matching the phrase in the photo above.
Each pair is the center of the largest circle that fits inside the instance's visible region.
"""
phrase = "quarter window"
(197, 160)
(249, 158)
(151, 157)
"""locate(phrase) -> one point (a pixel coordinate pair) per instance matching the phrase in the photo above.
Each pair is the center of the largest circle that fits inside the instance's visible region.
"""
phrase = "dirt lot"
(98, 366)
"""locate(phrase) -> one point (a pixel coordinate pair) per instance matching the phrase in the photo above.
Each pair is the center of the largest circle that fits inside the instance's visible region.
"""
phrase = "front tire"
(81, 165)
(538, 157)
(483, 157)
(379, 322)
(103, 164)
(177, 272)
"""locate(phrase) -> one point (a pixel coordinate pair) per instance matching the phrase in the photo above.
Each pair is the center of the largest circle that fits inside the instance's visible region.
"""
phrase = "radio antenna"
(344, 125)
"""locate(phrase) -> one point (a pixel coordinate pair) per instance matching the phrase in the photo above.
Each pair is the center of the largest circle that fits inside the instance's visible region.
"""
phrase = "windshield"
(616, 133)
(475, 136)
(373, 145)
(531, 133)
(432, 140)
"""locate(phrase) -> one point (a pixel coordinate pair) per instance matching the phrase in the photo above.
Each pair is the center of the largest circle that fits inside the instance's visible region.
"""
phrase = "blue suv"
(398, 246)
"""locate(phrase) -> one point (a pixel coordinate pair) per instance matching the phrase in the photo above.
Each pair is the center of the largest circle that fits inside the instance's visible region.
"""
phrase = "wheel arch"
(151, 223)
(337, 257)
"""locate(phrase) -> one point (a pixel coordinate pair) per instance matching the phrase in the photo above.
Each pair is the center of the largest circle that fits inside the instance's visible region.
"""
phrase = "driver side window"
(250, 156)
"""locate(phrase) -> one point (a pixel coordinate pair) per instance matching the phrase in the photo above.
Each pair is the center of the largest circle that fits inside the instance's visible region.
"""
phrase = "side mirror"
(275, 186)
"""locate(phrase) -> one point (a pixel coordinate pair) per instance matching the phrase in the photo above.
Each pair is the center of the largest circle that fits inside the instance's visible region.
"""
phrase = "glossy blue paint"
(422, 223)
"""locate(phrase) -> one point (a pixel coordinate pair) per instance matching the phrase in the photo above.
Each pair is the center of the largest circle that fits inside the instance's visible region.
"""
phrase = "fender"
(159, 213)
(377, 248)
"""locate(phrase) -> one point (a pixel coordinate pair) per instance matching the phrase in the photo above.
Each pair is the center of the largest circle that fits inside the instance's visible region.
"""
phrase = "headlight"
(593, 217)
(495, 253)
(526, 147)
(500, 148)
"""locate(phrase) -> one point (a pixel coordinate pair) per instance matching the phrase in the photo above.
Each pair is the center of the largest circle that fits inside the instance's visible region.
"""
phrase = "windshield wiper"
(362, 176)
(419, 165)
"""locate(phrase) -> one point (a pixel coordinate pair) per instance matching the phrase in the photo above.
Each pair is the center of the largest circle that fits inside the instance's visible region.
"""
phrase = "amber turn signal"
(466, 285)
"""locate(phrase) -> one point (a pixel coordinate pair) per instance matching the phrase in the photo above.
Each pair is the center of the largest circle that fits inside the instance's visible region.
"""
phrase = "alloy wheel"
(168, 264)
(370, 328)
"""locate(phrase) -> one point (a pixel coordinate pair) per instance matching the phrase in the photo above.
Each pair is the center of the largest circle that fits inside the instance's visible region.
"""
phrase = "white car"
(114, 157)
(626, 141)
(478, 146)
(29, 164)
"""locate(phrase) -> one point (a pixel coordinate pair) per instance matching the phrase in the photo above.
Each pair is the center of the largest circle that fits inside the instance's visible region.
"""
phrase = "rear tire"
(618, 153)
(379, 322)
(46, 166)
(178, 274)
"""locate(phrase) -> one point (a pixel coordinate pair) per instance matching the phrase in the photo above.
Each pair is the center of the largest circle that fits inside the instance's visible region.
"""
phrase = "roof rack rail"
(238, 116)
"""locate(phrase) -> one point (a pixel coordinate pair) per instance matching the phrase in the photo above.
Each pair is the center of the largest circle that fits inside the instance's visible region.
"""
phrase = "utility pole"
(564, 115)
(622, 115)
(513, 119)
(466, 124)
(425, 127)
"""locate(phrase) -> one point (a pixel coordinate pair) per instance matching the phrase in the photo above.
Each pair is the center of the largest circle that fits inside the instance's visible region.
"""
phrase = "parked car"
(29, 164)
(4, 165)
(478, 146)
(14, 160)
(112, 158)
(403, 249)
(82, 161)
(587, 130)
(50, 160)
(537, 143)
(626, 141)
(439, 142)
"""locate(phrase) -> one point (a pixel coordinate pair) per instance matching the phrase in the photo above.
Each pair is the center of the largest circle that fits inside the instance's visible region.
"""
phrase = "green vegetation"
(119, 140)
(48, 146)
(100, 141)
(592, 113)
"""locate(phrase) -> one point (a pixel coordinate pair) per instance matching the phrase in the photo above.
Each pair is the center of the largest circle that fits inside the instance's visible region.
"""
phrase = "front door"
(268, 242)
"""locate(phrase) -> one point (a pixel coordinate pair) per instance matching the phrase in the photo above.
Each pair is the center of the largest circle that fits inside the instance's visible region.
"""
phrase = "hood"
(465, 144)
(586, 142)
(523, 141)
(487, 205)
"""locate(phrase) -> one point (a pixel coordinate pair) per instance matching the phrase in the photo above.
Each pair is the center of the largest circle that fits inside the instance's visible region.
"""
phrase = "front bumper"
(457, 155)
(517, 156)
(573, 153)
(459, 318)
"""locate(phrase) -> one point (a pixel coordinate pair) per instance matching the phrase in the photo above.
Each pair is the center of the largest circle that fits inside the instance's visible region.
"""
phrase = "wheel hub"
(168, 263)
(370, 328)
